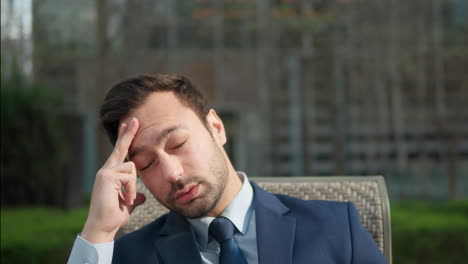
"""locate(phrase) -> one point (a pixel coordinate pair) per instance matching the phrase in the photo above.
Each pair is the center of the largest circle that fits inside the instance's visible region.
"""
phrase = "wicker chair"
(368, 194)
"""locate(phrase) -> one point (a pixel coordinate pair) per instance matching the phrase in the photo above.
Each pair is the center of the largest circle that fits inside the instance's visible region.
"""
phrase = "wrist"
(97, 236)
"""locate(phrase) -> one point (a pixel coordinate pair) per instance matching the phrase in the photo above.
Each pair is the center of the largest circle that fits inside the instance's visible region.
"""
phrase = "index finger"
(124, 141)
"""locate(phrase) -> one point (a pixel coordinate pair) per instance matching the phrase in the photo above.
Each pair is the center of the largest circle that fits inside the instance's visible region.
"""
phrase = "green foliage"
(421, 232)
(34, 150)
(424, 232)
(39, 235)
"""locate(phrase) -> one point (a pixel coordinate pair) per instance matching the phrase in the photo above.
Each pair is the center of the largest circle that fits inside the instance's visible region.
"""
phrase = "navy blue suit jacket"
(289, 231)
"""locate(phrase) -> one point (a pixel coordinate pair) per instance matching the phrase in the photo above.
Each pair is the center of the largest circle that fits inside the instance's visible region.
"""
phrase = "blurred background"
(305, 88)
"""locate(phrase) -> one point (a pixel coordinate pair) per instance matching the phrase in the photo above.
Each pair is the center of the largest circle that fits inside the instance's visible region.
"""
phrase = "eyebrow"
(164, 134)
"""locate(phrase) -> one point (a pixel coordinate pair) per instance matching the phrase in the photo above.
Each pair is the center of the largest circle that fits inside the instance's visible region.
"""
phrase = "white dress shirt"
(242, 214)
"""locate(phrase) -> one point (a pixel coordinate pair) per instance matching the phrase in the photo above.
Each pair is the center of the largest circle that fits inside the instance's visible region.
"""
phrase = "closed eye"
(147, 166)
(178, 146)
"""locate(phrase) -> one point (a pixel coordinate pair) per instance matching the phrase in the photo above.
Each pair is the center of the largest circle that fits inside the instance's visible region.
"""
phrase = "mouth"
(187, 194)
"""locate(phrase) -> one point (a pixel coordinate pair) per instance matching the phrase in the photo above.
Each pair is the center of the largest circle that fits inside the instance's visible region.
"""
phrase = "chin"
(195, 209)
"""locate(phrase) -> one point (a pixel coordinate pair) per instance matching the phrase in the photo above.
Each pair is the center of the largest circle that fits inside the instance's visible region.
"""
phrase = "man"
(164, 133)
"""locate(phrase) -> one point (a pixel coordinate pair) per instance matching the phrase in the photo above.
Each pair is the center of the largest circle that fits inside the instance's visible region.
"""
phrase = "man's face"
(178, 159)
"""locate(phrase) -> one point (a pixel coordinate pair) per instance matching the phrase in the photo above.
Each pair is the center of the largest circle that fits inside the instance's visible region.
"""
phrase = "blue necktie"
(222, 230)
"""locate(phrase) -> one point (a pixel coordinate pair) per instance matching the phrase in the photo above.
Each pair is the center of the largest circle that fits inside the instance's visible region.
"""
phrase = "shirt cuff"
(84, 252)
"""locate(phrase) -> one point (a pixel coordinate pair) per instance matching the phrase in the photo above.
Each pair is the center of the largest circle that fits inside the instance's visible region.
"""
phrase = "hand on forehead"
(126, 134)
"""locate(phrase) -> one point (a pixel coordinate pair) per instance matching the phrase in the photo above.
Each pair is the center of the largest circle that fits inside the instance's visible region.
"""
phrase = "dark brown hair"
(132, 92)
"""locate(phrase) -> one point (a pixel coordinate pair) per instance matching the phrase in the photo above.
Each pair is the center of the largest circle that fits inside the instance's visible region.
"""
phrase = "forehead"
(159, 112)
(158, 108)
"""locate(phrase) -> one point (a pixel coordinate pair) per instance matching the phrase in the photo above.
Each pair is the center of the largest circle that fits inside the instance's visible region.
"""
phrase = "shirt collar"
(238, 212)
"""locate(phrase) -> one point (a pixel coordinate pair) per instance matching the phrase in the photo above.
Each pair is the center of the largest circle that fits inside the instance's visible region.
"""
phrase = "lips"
(187, 194)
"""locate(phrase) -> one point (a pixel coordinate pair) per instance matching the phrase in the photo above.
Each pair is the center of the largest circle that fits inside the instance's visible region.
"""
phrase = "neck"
(233, 186)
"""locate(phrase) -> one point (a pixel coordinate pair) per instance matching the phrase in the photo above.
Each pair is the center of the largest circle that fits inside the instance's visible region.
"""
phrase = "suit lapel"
(275, 229)
(275, 234)
(177, 243)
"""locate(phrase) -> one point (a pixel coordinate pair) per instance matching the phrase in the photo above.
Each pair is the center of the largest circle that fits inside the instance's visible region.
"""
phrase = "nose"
(171, 168)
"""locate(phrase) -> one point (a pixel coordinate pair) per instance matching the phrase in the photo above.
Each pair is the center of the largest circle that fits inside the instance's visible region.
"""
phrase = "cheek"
(156, 186)
(197, 156)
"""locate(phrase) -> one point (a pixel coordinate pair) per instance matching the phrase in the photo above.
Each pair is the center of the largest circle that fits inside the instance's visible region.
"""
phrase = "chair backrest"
(368, 193)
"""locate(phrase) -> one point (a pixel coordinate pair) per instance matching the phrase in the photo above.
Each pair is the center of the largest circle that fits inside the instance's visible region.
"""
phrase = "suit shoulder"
(143, 233)
(290, 200)
(136, 247)
(315, 207)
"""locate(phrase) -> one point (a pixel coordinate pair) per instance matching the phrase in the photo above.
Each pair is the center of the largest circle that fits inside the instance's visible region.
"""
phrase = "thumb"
(139, 200)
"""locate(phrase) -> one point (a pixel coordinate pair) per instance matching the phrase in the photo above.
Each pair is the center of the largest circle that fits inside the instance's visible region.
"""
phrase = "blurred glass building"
(305, 87)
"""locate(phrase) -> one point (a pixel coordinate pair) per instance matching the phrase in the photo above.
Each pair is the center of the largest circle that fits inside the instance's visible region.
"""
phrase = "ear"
(216, 127)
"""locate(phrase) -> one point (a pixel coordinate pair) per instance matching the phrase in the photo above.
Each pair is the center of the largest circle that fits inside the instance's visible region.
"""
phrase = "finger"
(122, 129)
(126, 167)
(131, 193)
(139, 200)
(126, 186)
(123, 142)
(120, 151)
